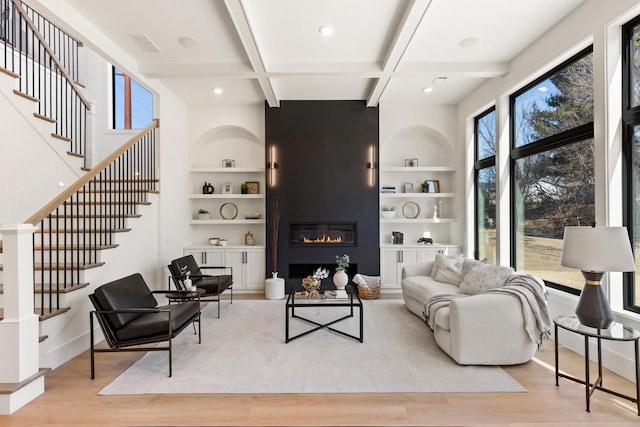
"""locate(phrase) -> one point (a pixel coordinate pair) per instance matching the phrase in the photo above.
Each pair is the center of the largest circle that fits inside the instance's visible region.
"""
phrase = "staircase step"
(98, 216)
(42, 338)
(10, 388)
(25, 96)
(60, 137)
(71, 247)
(9, 73)
(90, 230)
(53, 313)
(74, 266)
(64, 288)
(113, 202)
(71, 153)
(45, 118)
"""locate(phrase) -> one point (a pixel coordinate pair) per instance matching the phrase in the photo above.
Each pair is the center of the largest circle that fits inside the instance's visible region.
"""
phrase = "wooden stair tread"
(126, 180)
(42, 338)
(98, 216)
(45, 118)
(71, 153)
(84, 230)
(9, 73)
(74, 247)
(74, 266)
(25, 96)
(9, 388)
(61, 137)
(114, 202)
(64, 289)
(53, 313)
(99, 191)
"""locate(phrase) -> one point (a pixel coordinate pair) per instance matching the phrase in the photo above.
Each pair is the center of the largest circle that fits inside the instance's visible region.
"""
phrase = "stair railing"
(79, 222)
(42, 76)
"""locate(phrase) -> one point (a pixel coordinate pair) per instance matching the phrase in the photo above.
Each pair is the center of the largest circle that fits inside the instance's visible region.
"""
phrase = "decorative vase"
(340, 279)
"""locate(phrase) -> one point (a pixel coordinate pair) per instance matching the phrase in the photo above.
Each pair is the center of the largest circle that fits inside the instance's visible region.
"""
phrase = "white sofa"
(483, 329)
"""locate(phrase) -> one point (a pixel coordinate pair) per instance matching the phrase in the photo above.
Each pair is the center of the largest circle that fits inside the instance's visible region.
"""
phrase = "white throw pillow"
(450, 271)
(482, 277)
(438, 262)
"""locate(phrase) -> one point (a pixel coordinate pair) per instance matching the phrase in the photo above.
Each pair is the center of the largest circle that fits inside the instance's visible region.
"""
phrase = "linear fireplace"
(323, 234)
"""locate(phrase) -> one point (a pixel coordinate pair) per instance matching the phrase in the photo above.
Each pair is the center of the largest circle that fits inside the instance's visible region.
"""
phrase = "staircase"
(79, 231)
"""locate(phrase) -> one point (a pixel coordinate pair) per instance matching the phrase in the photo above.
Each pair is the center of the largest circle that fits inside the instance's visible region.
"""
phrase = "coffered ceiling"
(383, 51)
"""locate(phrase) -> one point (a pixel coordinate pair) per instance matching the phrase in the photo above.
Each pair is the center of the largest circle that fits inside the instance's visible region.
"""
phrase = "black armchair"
(213, 285)
(129, 316)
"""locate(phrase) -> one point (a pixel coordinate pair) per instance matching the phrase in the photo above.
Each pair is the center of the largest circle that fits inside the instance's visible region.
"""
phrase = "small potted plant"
(244, 188)
(203, 214)
(388, 211)
(340, 278)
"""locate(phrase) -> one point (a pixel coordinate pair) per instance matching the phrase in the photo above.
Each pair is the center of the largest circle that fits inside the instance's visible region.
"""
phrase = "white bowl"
(388, 214)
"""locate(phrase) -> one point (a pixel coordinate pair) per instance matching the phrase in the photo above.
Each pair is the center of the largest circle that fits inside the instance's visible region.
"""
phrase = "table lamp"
(596, 250)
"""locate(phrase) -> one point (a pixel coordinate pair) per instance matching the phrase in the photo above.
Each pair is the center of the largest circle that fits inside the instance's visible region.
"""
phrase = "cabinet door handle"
(401, 256)
(244, 257)
(204, 257)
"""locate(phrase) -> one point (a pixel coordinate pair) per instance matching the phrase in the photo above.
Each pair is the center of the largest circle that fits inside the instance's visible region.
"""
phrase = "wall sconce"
(272, 165)
(372, 165)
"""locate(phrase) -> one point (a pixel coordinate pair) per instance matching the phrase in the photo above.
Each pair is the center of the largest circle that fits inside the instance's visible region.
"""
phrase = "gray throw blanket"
(529, 290)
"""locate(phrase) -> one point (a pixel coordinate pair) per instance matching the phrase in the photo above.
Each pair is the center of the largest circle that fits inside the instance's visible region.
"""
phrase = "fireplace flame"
(323, 239)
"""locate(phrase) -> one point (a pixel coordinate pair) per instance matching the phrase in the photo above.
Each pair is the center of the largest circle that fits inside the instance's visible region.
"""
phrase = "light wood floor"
(71, 399)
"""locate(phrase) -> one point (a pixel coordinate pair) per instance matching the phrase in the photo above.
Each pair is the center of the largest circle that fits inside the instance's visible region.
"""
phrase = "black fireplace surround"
(322, 150)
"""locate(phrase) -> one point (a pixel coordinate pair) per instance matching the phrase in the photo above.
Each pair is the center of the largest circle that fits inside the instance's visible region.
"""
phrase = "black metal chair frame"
(178, 279)
(116, 345)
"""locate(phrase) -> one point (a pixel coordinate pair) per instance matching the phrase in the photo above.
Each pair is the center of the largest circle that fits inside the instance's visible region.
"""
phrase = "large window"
(132, 104)
(485, 183)
(631, 150)
(552, 168)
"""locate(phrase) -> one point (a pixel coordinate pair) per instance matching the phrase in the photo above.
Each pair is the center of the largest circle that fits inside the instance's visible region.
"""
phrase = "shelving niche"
(434, 162)
(208, 154)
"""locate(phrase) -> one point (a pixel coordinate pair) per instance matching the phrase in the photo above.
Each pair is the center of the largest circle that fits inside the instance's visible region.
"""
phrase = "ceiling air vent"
(145, 43)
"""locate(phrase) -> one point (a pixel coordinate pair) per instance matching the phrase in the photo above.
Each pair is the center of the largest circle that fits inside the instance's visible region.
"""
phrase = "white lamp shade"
(597, 249)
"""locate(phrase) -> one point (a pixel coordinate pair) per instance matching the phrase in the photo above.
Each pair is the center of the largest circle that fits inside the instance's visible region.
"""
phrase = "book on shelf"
(388, 190)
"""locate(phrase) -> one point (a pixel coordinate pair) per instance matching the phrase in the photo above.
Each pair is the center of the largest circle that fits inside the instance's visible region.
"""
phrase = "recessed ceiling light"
(543, 88)
(326, 30)
(218, 90)
(427, 89)
(469, 42)
(189, 42)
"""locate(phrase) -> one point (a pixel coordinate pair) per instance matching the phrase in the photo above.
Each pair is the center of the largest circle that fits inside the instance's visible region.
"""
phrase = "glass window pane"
(137, 102)
(636, 210)
(553, 189)
(486, 219)
(486, 136)
(561, 102)
(634, 85)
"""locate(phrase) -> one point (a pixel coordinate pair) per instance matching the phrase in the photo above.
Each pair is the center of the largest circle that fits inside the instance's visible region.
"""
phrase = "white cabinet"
(247, 262)
(248, 268)
(394, 257)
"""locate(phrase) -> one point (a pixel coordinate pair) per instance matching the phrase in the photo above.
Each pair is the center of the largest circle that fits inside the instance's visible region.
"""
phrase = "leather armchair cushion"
(157, 324)
(213, 284)
(128, 292)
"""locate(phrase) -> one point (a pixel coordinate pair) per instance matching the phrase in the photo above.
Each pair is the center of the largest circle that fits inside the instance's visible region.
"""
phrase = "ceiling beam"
(239, 18)
(403, 36)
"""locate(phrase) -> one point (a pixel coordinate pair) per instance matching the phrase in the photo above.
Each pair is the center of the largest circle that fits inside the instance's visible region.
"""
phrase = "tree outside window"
(552, 168)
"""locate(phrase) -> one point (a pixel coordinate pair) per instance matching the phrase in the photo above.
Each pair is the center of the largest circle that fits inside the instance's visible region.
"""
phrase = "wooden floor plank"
(71, 399)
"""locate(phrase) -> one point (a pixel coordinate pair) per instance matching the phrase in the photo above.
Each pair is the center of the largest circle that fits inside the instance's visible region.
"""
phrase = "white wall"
(30, 168)
(597, 23)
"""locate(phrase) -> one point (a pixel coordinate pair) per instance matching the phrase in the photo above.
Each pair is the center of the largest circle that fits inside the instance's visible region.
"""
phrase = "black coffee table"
(298, 302)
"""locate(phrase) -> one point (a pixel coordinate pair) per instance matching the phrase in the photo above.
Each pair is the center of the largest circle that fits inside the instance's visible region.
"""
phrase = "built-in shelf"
(226, 196)
(416, 220)
(225, 170)
(417, 169)
(226, 221)
(416, 195)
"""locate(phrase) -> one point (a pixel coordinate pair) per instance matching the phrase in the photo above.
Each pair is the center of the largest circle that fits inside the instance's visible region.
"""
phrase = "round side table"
(274, 288)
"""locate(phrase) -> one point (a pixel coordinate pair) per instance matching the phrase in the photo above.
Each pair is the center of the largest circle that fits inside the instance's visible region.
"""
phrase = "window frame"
(630, 119)
(478, 165)
(579, 133)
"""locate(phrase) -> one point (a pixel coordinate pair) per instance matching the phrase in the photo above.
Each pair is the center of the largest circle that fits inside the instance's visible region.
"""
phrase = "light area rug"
(244, 352)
